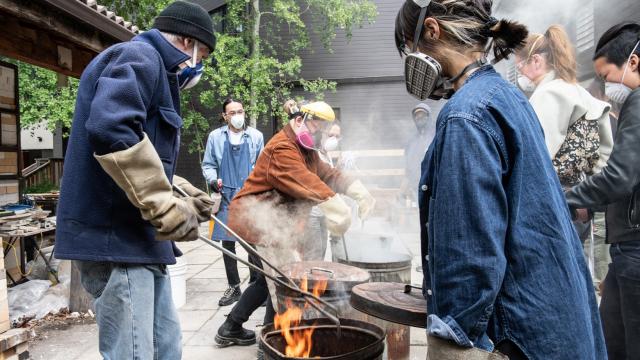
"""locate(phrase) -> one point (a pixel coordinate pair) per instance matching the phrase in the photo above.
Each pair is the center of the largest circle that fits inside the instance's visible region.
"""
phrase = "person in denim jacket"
(505, 271)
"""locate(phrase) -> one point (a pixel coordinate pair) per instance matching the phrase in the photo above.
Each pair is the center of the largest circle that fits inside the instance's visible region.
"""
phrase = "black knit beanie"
(187, 19)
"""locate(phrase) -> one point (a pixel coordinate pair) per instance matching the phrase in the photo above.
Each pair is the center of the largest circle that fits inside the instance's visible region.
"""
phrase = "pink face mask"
(306, 140)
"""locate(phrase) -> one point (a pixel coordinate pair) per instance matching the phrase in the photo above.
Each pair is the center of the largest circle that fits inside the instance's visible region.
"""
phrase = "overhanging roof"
(90, 12)
(61, 35)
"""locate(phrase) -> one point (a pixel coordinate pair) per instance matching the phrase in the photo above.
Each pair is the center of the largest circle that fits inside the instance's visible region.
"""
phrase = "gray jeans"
(134, 310)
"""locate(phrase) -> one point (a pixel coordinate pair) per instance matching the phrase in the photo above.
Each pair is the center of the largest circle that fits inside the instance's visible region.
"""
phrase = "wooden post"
(79, 298)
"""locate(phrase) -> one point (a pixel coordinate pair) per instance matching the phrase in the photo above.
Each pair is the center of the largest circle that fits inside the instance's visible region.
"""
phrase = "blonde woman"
(576, 125)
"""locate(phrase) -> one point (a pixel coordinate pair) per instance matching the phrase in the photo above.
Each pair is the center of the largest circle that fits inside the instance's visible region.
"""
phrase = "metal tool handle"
(242, 242)
(344, 247)
(310, 298)
(291, 286)
(330, 272)
(408, 288)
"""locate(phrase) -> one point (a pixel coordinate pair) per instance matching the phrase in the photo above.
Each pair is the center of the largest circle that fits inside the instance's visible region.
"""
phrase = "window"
(218, 16)
(585, 27)
(9, 125)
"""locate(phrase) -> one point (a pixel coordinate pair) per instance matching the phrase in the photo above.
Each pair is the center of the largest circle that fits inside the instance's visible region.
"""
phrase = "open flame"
(299, 343)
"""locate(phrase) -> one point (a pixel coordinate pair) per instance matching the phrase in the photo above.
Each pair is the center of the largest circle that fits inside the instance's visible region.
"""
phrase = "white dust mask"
(619, 92)
(331, 144)
(237, 121)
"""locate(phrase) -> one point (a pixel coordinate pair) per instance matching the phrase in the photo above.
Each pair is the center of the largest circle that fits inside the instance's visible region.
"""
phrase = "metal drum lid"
(393, 302)
(340, 277)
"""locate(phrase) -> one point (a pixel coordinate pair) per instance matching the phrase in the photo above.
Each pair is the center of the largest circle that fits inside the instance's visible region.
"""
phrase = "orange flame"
(299, 342)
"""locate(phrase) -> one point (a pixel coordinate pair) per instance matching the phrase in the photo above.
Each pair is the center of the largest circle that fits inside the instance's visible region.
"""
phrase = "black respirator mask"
(423, 74)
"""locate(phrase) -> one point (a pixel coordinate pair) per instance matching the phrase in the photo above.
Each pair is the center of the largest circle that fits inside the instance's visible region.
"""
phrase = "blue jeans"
(620, 306)
(134, 310)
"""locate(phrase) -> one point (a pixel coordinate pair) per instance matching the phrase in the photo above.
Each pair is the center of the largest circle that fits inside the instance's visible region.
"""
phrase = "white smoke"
(277, 225)
(539, 15)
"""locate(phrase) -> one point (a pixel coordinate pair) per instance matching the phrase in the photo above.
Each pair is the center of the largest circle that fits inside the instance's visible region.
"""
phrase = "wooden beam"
(25, 42)
(47, 19)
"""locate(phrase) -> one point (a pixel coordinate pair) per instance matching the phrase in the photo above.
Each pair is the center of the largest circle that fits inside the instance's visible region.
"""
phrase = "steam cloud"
(539, 15)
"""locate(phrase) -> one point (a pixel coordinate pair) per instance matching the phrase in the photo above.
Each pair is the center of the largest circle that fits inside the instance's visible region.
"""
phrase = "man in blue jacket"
(117, 214)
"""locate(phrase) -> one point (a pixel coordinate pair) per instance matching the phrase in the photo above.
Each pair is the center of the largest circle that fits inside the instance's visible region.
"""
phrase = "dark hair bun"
(508, 36)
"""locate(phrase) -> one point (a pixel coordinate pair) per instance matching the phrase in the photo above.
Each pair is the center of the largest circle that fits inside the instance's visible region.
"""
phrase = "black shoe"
(231, 295)
(231, 333)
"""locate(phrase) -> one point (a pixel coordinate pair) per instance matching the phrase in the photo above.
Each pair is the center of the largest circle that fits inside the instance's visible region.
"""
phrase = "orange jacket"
(280, 191)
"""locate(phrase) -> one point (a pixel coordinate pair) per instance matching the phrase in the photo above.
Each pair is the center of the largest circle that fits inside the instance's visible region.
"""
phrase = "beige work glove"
(440, 349)
(199, 200)
(337, 214)
(361, 195)
(139, 172)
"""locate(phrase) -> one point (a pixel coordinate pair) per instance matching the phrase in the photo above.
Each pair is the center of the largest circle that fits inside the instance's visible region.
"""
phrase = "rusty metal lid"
(397, 303)
(339, 276)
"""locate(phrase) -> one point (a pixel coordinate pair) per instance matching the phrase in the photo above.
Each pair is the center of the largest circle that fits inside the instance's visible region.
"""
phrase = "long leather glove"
(361, 195)
(139, 172)
(199, 200)
(337, 214)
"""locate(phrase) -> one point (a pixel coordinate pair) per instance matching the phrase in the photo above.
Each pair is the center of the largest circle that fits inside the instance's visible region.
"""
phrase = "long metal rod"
(250, 249)
(291, 286)
(308, 296)
(344, 246)
(242, 241)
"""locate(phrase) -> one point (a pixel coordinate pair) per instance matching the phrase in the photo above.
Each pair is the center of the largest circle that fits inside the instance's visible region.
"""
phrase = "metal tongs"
(312, 299)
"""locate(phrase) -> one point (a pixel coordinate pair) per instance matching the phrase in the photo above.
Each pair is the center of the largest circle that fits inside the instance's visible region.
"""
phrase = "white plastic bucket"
(177, 274)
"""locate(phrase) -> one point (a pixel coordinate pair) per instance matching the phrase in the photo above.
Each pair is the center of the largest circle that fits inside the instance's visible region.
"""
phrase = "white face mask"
(331, 144)
(526, 84)
(237, 121)
(619, 92)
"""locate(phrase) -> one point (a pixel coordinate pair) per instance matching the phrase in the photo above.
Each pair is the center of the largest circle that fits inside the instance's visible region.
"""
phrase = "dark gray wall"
(370, 53)
(209, 5)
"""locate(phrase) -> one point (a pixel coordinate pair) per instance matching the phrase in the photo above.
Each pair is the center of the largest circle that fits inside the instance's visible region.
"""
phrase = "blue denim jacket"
(505, 262)
(215, 149)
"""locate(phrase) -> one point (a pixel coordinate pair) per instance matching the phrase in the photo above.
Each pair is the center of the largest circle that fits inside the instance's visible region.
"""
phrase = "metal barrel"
(397, 270)
(358, 340)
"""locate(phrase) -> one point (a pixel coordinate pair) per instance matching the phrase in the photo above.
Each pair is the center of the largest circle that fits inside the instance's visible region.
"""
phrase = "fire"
(299, 343)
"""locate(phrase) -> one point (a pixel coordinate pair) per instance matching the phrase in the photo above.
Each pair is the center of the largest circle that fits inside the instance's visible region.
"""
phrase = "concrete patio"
(200, 317)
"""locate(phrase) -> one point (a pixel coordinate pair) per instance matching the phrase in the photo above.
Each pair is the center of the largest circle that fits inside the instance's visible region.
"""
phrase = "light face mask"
(619, 92)
(190, 75)
(237, 121)
(525, 84)
(331, 144)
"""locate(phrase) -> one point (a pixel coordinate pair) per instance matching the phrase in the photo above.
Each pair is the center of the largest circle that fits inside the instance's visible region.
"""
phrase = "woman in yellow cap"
(271, 209)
